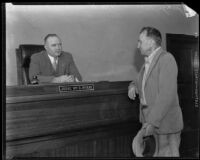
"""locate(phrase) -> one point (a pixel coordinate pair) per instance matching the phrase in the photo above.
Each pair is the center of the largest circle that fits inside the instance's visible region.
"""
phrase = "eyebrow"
(56, 44)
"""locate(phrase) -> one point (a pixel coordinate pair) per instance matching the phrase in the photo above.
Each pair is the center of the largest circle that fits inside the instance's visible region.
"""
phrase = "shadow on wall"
(138, 60)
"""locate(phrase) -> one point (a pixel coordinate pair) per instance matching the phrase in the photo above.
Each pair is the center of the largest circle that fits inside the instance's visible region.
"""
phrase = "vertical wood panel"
(183, 47)
(119, 146)
(101, 124)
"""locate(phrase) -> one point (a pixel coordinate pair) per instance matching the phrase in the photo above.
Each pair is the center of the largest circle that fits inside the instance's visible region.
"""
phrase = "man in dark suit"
(156, 85)
(53, 65)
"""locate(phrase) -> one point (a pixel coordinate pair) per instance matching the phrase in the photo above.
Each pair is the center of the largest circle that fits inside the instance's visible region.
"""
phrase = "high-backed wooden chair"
(23, 54)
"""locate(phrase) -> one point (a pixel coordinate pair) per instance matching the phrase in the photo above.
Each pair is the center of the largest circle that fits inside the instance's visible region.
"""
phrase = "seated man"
(53, 65)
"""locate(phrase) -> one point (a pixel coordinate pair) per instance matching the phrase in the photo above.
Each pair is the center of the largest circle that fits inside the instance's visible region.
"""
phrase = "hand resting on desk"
(132, 91)
(64, 78)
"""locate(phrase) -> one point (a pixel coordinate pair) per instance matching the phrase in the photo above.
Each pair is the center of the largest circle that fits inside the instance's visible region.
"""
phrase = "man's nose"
(58, 47)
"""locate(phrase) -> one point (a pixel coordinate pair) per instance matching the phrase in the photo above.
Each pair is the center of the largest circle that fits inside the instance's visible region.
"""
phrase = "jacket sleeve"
(167, 90)
(136, 81)
(34, 70)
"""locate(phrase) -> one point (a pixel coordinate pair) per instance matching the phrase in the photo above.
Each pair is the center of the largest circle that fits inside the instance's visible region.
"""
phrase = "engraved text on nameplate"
(79, 87)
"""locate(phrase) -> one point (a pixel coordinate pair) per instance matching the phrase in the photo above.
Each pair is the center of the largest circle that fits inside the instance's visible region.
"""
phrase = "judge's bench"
(85, 119)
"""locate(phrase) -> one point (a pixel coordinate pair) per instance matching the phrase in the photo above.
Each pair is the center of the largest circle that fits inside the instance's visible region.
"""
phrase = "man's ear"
(45, 46)
(152, 42)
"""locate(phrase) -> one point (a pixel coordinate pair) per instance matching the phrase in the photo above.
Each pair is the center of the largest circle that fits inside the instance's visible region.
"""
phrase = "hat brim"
(144, 146)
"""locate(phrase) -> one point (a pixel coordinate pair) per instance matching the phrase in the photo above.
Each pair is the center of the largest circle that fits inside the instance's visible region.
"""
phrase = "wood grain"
(92, 123)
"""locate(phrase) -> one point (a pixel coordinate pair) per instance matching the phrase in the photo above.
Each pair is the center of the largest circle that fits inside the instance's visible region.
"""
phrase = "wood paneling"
(95, 123)
(44, 117)
(185, 50)
(105, 141)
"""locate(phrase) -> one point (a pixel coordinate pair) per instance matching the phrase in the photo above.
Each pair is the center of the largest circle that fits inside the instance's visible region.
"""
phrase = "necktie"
(55, 59)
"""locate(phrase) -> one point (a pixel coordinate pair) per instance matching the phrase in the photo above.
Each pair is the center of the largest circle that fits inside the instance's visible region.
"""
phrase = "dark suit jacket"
(41, 67)
(160, 89)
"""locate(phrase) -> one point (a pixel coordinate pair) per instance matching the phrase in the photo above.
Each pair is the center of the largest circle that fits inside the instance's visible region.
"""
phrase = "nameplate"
(76, 87)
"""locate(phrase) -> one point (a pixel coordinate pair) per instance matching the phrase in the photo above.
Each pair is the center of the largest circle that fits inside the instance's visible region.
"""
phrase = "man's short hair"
(153, 33)
(49, 35)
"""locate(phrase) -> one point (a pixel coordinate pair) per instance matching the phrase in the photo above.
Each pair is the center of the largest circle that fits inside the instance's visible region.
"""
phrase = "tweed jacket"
(161, 95)
(41, 67)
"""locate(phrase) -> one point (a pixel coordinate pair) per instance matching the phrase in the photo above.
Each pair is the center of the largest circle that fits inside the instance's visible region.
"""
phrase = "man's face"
(144, 44)
(53, 46)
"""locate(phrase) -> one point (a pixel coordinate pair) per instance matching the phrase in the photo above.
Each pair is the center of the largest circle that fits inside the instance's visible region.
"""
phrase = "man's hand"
(149, 129)
(132, 90)
(69, 78)
(63, 79)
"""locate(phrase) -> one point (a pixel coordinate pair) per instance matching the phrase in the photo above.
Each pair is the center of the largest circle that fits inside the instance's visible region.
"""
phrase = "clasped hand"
(64, 78)
(149, 129)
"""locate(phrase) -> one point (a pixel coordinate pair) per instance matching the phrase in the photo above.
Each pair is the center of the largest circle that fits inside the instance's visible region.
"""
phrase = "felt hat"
(145, 146)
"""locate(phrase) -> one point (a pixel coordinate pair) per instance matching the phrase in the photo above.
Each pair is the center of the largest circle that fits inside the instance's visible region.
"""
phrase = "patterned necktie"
(55, 59)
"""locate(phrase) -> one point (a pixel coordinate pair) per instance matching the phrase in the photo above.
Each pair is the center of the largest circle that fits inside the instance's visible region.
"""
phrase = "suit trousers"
(168, 144)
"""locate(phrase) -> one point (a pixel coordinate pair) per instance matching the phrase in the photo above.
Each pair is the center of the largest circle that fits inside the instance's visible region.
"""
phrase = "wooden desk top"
(37, 92)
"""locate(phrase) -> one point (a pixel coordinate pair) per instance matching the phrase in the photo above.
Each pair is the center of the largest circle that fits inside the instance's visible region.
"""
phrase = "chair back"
(23, 56)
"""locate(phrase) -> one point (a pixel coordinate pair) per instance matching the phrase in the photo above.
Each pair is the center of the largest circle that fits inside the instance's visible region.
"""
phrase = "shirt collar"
(52, 58)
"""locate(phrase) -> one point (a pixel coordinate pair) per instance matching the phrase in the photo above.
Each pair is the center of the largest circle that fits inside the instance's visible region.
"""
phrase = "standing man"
(52, 65)
(160, 113)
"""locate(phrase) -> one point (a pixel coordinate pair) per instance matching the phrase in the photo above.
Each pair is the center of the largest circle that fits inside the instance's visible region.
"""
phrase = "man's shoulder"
(38, 55)
(167, 57)
(66, 55)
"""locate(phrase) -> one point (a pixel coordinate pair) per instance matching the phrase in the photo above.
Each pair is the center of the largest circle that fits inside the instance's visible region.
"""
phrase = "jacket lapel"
(48, 62)
(153, 63)
(61, 62)
(141, 74)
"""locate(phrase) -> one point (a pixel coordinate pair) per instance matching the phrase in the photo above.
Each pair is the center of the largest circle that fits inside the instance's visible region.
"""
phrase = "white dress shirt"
(53, 60)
